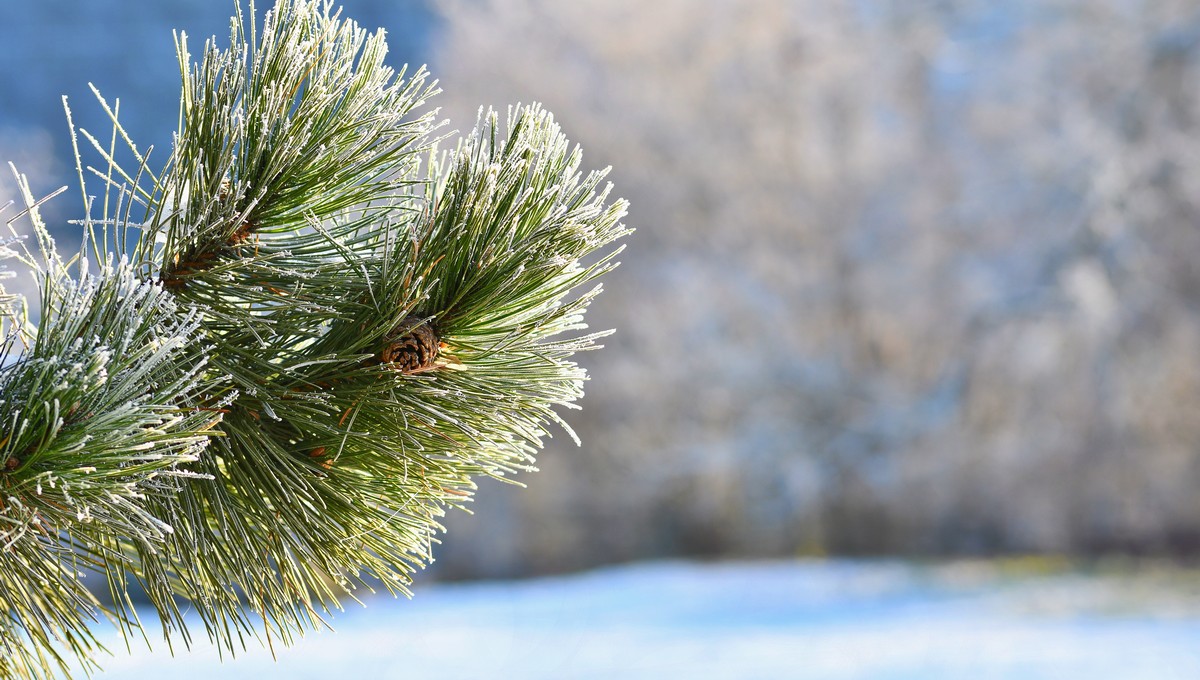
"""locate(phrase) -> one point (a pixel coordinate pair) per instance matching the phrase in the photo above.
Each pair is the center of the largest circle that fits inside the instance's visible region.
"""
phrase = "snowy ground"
(756, 620)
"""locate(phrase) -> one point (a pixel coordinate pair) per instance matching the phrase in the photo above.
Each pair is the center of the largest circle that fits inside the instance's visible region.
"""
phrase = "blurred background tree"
(914, 278)
(910, 278)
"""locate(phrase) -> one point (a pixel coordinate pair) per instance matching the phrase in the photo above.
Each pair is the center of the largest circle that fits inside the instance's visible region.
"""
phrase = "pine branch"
(95, 425)
(308, 345)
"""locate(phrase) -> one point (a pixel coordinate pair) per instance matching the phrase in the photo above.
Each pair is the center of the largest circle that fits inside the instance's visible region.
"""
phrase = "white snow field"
(795, 619)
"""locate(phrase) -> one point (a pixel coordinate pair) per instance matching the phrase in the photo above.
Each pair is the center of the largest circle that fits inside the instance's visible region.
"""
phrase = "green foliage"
(97, 430)
(309, 334)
